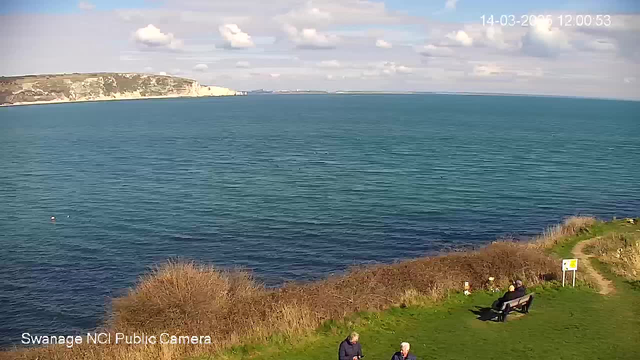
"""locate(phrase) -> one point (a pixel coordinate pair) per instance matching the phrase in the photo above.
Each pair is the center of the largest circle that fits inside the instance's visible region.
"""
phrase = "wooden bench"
(523, 303)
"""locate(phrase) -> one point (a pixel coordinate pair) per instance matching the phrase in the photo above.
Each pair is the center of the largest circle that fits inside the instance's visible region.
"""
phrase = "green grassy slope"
(563, 249)
(564, 323)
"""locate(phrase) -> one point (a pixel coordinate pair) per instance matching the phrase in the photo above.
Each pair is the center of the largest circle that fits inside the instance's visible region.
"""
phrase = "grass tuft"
(557, 234)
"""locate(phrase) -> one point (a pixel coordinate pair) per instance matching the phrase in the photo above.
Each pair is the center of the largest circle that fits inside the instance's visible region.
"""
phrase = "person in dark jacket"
(520, 289)
(404, 353)
(350, 348)
(509, 295)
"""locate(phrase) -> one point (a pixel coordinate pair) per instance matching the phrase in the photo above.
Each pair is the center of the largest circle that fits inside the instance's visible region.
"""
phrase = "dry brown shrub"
(180, 296)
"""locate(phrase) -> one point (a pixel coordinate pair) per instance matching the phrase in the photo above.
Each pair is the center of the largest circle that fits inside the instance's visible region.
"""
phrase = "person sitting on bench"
(520, 289)
(508, 296)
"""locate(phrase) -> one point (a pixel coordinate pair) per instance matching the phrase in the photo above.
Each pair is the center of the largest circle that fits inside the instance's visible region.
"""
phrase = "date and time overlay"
(553, 20)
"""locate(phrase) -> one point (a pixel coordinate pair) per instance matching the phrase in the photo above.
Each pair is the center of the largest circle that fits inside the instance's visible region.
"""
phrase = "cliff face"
(103, 86)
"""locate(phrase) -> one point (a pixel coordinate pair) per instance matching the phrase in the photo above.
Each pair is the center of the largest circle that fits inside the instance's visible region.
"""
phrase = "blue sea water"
(291, 187)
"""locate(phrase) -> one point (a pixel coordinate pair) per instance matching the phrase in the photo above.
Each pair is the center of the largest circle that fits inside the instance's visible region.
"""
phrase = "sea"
(289, 187)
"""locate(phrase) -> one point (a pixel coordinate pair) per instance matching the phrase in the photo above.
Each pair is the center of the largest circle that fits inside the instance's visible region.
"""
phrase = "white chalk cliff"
(39, 89)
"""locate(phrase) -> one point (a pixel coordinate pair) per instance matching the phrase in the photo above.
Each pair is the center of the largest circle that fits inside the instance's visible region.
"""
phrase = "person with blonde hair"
(350, 348)
(509, 295)
(404, 353)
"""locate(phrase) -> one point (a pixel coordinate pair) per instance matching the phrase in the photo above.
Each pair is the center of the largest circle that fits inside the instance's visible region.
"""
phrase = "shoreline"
(338, 93)
(346, 92)
(112, 99)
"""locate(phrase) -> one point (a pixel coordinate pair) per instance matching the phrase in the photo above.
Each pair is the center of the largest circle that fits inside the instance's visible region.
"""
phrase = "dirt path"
(606, 286)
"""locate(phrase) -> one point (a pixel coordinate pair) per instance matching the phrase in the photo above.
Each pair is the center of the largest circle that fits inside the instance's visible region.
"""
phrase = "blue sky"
(68, 6)
(470, 9)
(395, 45)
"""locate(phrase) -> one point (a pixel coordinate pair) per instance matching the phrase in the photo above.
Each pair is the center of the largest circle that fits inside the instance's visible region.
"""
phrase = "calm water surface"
(291, 187)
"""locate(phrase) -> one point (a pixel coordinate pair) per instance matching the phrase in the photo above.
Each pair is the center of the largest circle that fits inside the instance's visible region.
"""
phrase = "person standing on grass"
(350, 348)
(404, 353)
(520, 289)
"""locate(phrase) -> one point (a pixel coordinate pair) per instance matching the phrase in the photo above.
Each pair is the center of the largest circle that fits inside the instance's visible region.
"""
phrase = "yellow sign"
(569, 264)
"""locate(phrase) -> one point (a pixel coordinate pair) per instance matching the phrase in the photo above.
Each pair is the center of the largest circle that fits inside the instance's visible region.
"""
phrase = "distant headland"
(60, 88)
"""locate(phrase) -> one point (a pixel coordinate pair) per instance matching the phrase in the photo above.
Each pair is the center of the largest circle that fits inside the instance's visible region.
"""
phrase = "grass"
(564, 323)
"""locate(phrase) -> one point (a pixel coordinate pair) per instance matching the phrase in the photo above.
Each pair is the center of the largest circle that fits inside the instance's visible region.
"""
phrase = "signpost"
(569, 265)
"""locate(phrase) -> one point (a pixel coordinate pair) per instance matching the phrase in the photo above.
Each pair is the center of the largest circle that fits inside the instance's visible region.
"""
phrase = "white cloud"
(318, 14)
(308, 15)
(243, 64)
(398, 69)
(544, 41)
(201, 67)
(461, 38)
(310, 38)
(495, 37)
(274, 75)
(148, 69)
(175, 71)
(329, 64)
(487, 70)
(431, 50)
(234, 37)
(387, 68)
(85, 5)
(599, 45)
(150, 37)
(629, 80)
(450, 4)
(383, 44)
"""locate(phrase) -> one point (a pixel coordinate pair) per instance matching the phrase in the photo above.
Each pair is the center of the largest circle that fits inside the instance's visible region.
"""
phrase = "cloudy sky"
(417, 45)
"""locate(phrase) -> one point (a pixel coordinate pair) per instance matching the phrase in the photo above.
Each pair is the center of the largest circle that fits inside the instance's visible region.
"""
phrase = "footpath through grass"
(564, 248)
(564, 323)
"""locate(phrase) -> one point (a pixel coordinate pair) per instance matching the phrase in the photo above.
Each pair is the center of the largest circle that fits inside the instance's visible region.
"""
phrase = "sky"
(391, 45)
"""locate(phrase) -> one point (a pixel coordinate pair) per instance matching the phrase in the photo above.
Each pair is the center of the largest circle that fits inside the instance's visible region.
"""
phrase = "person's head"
(404, 348)
(354, 337)
(518, 283)
(512, 288)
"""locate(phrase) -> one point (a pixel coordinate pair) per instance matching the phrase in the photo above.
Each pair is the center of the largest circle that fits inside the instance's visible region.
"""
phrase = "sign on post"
(569, 265)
